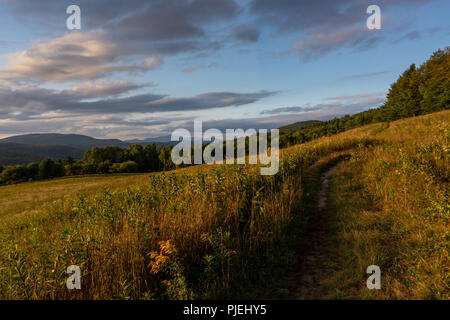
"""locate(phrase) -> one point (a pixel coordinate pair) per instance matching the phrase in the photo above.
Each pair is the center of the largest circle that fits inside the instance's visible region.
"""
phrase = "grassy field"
(211, 232)
(391, 207)
(19, 198)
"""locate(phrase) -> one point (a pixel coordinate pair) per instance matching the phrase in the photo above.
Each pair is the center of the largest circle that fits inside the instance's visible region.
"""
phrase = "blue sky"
(140, 69)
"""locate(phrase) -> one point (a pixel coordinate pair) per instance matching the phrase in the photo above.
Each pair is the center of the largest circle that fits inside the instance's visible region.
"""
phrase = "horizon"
(78, 134)
(140, 70)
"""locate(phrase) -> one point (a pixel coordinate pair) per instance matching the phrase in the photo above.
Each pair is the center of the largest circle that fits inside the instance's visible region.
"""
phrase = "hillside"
(57, 139)
(23, 149)
(143, 223)
(300, 124)
(17, 153)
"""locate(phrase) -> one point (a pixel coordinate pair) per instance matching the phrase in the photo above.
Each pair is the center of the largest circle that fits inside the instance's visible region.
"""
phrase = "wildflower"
(158, 259)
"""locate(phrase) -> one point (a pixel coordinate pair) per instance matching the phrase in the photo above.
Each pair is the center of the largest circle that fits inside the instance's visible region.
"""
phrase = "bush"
(33, 170)
(73, 169)
(88, 168)
(50, 169)
(125, 167)
(13, 174)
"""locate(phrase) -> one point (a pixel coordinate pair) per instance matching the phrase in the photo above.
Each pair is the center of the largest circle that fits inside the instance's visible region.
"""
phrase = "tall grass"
(392, 205)
(205, 232)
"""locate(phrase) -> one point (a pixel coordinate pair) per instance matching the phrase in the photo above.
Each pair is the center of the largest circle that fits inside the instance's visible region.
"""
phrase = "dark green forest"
(418, 91)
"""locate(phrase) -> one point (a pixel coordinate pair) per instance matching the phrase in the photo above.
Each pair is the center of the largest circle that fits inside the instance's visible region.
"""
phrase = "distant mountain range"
(27, 148)
(57, 139)
(301, 124)
(24, 149)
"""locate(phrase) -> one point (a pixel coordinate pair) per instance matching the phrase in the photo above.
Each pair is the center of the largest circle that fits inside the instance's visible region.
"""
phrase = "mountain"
(23, 149)
(301, 124)
(159, 141)
(57, 139)
(16, 153)
(27, 148)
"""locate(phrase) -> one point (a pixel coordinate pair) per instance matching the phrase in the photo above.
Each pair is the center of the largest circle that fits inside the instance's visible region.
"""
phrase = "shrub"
(125, 167)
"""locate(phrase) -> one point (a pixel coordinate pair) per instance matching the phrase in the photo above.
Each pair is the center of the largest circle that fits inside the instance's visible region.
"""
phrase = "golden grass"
(392, 209)
(22, 197)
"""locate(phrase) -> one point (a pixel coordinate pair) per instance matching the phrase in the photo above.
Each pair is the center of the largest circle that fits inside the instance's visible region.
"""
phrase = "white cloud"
(71, 57)
(153, 62)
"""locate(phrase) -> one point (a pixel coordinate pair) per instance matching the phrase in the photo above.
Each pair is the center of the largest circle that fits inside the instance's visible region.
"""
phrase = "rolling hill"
(16, 153)
(57, 139)
(300, 124)
(23, 149)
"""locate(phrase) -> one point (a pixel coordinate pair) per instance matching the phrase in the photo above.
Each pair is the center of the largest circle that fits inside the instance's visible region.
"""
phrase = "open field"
(18, 198)
(212, 232)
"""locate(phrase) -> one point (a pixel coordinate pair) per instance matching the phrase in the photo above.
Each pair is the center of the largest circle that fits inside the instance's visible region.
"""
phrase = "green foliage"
(50, 169)
(97, 155)
(136, 153)
(152, 158)
(33, 170)
(165, 158)
(14, 174)
(125, 167)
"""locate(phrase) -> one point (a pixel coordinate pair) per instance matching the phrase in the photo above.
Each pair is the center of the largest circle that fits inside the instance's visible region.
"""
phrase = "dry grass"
(18, 198)
(392, 209)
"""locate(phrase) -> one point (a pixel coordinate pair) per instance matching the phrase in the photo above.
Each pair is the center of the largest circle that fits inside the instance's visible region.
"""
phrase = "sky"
(139, 69)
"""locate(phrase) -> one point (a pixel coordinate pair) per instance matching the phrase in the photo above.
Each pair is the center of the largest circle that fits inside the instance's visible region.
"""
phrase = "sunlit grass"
(391, 206)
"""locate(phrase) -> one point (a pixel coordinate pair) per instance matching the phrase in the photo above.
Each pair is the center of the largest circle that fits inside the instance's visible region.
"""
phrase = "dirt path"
(310, 272)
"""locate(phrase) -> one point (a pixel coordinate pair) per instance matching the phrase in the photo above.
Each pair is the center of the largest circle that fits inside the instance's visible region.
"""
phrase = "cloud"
(360, 98)
(366, 75)
(153, 62)
(286, 110)
(191, 69)
(357, 102)
(99, 13)
(317, 44)
(73, 56)
(246, 33)
(26, 101)
(102, 89)
(157, 27)
(324, 26)
(172, 20)
(208, 101)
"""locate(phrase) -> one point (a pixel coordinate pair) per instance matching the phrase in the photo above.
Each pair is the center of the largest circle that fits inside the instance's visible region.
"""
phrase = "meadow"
(390, 206)
(225, 231)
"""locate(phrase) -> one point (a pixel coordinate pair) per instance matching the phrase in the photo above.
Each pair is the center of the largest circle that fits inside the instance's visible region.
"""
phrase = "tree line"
(98, 160)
